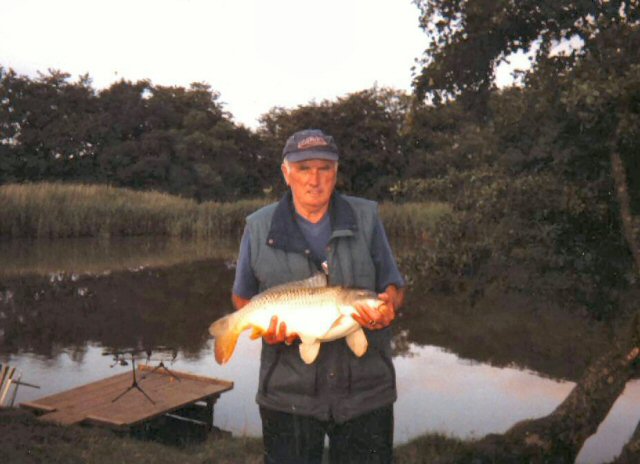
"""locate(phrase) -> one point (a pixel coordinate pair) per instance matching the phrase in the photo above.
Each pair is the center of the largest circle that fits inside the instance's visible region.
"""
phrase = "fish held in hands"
(314, 311)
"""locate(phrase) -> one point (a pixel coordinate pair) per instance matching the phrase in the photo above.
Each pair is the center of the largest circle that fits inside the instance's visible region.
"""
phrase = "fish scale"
(294, 307)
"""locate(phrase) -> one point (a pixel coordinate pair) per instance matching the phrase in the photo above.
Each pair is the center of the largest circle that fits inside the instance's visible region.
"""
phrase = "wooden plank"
(7, 385)
(16, 384)
(173, 397)
(3, 375)
(169, 397)
(187, 375)
(67, 397)
(37, 406)
(95, 403)
(100, 420)
(73, 405)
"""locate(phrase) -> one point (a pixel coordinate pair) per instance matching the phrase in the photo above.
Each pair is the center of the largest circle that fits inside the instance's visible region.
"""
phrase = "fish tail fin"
(225, 332)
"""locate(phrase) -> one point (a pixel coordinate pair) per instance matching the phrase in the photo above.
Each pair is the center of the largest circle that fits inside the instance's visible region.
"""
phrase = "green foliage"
(467, 39)
(175, 139)
(131, 134)
(529, 181)
(47, 126)
(181, 141)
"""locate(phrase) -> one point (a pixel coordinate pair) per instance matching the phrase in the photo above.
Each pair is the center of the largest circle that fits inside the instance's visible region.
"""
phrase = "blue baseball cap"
(310, 144)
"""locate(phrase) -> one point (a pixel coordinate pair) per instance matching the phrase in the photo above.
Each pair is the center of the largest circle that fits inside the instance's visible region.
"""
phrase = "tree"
(530, 171)
(467, 39)
(49, 125)
(9, 125)
(176, 139)
(131, 134)
(367, 127)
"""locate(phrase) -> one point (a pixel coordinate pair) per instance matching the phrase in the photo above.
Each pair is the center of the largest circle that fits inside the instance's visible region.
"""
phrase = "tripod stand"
(134, 384)
(161, 365)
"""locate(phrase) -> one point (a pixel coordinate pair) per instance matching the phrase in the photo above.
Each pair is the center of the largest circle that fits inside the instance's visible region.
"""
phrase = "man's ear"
(285, 173)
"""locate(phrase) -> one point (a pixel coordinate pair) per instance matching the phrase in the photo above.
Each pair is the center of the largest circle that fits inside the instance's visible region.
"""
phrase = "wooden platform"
(113, 403)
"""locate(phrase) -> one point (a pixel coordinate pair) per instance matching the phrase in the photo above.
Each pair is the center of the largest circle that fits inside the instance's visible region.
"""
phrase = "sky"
(256, 53)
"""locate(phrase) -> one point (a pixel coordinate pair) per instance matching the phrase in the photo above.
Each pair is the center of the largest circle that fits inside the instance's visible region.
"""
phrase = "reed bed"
(412, 220)
(56, 210)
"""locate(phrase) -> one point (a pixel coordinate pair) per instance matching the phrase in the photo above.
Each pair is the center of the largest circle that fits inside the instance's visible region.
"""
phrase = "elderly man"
(314, 228)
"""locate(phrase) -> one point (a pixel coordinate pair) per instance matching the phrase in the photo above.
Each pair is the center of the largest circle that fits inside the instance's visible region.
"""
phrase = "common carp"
(311, 309)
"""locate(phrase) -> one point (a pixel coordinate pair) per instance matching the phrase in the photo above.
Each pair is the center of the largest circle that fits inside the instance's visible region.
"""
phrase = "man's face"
(311, 181)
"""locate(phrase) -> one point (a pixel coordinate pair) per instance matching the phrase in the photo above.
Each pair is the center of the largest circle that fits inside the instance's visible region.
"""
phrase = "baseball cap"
(310, 144)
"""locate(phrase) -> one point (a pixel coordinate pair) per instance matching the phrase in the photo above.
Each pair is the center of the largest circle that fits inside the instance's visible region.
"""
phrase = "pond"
(463, 370)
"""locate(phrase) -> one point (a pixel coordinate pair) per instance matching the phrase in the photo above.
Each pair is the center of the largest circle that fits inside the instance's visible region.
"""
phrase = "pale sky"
(257, 53)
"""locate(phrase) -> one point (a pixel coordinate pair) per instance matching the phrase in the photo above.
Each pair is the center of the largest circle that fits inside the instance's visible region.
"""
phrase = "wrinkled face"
(312, 182)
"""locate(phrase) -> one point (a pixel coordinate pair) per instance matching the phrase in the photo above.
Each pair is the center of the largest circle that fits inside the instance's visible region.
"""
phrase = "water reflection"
(151, 307)
(461, 369)
(81, 256)
(438, 392)
(506, 330)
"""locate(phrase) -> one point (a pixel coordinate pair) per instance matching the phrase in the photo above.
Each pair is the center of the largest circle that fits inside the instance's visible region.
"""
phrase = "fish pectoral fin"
(358, 343)
(256, 332)
(309, 350)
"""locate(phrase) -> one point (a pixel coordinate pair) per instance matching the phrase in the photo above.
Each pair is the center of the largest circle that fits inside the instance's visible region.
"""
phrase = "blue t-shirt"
(317, 236)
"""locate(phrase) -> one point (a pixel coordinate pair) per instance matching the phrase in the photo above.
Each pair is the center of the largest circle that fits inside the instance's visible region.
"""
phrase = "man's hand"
(278, 334)
(382, 316)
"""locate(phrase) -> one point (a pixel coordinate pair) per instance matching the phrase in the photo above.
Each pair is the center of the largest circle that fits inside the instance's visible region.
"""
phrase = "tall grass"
(412, 220)
(54, 210)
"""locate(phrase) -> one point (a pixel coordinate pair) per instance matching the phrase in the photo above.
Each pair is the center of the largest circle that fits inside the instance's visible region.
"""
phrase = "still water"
(461, 370)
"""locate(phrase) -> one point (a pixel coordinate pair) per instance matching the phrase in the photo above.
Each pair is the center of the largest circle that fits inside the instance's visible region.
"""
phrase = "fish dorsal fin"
(318, 280)
(309, 349)
(358, 343)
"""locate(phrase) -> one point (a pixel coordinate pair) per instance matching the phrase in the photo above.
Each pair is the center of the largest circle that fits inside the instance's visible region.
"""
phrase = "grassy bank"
(48, 210)
(24, 439)
(412, 220)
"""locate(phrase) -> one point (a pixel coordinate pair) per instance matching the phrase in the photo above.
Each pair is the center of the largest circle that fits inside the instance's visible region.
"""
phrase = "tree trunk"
(626, 217)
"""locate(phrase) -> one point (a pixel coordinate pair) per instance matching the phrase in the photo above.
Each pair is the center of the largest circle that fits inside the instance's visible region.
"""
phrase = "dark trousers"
(292, 439)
